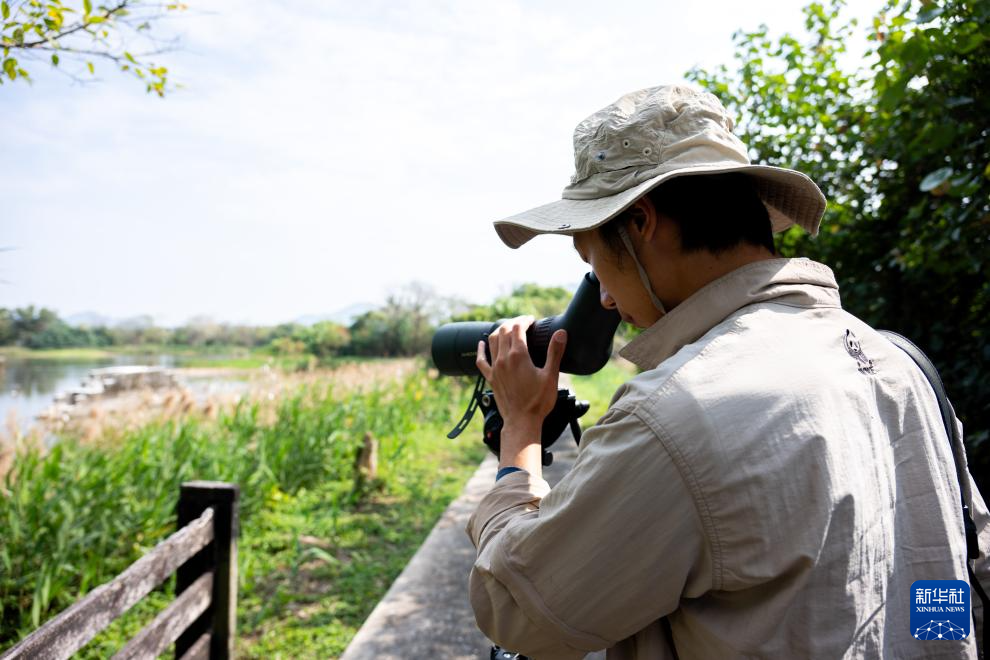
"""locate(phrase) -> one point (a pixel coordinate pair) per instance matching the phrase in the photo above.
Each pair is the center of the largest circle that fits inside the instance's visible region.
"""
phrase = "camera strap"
(479, 387)
(957, 448)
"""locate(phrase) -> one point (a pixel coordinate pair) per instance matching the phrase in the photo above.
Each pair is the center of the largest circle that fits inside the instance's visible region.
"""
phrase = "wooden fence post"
(220, 556)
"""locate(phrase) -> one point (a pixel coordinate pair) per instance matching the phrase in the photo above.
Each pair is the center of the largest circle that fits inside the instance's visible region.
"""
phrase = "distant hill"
(89, 319)
(92, 319)
(343, 316)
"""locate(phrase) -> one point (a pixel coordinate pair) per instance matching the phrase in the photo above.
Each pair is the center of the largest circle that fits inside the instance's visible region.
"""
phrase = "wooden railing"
(200, 621)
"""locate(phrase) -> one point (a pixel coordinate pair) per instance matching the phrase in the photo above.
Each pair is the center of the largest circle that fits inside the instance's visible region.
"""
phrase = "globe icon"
(939, 630)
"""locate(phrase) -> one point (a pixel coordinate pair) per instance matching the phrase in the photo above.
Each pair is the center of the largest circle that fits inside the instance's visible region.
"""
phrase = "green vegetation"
(65, 354)
(525, 299)
(901, 149)
(533, 300)
(81, 32)
(402, 327)
(317, 548)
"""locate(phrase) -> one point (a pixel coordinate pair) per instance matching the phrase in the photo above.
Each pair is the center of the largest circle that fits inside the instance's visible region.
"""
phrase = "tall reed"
(75, 516)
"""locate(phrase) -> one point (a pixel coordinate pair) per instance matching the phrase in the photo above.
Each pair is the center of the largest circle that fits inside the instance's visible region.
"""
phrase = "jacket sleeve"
(610, 550)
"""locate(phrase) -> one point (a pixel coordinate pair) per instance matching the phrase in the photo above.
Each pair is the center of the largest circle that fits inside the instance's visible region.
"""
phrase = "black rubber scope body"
(590, 329)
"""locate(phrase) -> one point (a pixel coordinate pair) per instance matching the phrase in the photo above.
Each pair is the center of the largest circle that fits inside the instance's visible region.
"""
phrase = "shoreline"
(200, 392)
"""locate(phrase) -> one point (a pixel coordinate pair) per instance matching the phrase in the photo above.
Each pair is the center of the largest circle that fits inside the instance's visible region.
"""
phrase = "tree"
(61, 32)
(403, 326)
(28, 321)
(59, 334)
(531, 299)
(901, 149)
(323, 339)
(8, 334)
(374, 333)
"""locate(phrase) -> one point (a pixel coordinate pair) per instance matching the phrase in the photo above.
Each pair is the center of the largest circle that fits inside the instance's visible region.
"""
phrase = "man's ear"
(644, 217)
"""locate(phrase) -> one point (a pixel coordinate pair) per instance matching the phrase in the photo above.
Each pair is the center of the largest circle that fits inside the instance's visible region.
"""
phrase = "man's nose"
(606, 299)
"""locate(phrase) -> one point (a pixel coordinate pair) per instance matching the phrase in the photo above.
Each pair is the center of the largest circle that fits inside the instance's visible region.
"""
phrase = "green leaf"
(971, 42)
(893, 95)
(935, 179)
(35, 611)
(5, 10)
(93, 20)
(87, 7)
(18, 36)
(89, 65)
(10, 67)
(54, 59)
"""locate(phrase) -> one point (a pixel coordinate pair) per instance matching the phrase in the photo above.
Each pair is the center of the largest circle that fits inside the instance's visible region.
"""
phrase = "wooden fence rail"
(200, 621)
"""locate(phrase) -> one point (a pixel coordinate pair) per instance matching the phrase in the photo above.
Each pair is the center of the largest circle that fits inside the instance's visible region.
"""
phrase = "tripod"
(566, 412)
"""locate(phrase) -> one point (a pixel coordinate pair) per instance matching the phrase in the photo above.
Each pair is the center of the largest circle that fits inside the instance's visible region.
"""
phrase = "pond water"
(28, 386)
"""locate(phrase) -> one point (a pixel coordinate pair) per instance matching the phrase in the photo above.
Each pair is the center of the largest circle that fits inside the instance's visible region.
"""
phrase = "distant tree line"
(403, 326)
(42, 328)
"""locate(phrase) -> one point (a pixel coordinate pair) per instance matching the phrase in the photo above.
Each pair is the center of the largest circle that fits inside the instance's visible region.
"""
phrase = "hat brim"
(790, 197)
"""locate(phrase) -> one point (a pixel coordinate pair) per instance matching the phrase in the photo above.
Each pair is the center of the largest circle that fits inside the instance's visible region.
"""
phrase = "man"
(777, 476)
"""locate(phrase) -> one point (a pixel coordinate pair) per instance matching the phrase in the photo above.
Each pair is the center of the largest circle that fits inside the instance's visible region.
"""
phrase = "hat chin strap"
(642, 273)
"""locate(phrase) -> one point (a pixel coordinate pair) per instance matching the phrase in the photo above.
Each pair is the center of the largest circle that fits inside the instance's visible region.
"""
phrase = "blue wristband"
(508, 470)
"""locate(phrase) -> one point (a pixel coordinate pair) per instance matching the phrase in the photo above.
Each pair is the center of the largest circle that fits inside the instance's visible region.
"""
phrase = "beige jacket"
(769, 487)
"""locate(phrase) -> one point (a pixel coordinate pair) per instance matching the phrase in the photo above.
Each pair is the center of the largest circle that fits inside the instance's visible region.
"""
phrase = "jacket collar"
(795, 282)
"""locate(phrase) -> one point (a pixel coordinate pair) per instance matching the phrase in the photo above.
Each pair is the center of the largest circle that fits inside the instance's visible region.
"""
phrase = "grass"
(307, 598)
(250, 361)
(220, 357)
(317, 551)
(67, 354)
(204, 356)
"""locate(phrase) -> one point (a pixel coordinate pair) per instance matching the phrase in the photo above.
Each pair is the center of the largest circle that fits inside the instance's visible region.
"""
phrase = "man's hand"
(525, 394)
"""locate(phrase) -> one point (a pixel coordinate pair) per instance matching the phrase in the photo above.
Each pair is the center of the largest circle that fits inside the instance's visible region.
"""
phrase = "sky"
(322, 154)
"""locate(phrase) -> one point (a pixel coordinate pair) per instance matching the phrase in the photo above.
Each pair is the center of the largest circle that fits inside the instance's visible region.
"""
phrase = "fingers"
(555, 352)
(482, 362)
(518, 331)
(494, 344)
(508, 336)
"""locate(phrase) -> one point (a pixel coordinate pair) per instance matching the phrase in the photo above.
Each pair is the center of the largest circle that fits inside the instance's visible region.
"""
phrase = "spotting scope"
(590, 329)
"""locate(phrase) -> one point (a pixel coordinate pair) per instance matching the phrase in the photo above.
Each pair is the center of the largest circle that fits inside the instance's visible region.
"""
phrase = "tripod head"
(565, 413)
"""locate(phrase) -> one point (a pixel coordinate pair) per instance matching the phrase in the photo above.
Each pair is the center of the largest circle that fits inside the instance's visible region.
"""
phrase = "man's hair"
(713, 212)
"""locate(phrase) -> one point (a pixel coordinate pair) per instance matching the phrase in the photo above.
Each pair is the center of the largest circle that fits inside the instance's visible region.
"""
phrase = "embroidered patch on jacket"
(855, 349)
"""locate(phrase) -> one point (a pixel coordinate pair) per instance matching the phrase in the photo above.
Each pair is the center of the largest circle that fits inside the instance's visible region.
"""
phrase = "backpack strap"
(952, 433)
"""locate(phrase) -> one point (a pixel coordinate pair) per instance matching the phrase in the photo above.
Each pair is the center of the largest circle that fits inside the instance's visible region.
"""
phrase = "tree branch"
(75, 28)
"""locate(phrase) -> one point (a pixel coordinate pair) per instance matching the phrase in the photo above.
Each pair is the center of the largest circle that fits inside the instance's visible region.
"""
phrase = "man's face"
(621, 287)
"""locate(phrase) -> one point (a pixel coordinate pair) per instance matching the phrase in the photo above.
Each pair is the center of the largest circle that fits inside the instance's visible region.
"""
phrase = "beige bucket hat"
(645, 138)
